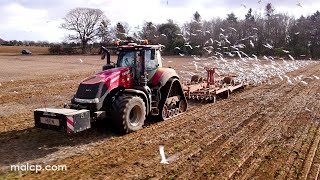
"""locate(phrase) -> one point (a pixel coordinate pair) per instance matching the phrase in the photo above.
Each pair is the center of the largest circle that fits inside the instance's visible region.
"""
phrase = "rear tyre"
(129, 113)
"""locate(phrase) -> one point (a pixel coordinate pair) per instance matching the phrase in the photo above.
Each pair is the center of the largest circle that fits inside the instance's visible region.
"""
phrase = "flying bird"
(233, 29)
(285, 51)
(251, 43)
(299, 4)
(244, 5)
(222, 29)
(177, 48)
(181, 54)
(268, 46)
(307, 109)
(280, 77)
(316, 77)
(164, 35)
(188, 45)
(163, 157)
(303, 82)
(291, 57)
(81, 60)
(195, 65)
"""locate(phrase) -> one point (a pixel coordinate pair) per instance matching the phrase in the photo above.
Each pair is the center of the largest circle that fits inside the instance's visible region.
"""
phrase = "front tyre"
(129, 113)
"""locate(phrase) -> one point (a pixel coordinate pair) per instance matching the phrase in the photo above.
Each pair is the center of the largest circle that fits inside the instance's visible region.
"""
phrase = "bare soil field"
(270, 131)
(16, 50)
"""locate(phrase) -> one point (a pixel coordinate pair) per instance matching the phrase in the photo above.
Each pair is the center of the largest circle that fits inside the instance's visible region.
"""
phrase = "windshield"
(126, 58)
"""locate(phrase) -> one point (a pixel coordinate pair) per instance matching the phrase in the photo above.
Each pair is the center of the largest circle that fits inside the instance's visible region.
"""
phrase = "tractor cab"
(144, 59)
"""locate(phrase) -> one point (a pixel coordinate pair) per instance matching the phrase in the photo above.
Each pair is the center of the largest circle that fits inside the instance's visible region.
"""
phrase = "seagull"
(297, 33)
(268, 46)
(253, 55)
(177, 48)
(316, 77)
(197, 46)
(291, 57)
(255, 29)
(211, 57)
(195, 65)
(181, 54)
(208, 32)
(164, 35)
(285, 51)
(81, 60)
(188, 45)
(280, 77)
(163, 157)
(251, 43)
(289, 81)
(222, 29)
(233, 29)
(303, 82)
(211, 40)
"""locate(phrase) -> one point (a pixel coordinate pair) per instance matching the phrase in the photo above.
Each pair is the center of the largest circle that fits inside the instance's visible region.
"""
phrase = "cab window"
(126, 59)
(151, 64)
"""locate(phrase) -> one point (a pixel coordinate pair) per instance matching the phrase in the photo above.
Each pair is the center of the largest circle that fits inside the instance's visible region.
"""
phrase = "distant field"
(14, 50)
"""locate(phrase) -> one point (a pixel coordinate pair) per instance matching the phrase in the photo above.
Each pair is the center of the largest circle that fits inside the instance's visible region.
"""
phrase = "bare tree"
(121, 30)
(149, 32)
(86, 23)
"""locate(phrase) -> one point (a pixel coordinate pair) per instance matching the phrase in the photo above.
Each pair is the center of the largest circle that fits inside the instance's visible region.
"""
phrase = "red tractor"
(128, 91)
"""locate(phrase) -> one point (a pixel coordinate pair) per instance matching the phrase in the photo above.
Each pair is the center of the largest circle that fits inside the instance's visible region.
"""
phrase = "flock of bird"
(253, 70)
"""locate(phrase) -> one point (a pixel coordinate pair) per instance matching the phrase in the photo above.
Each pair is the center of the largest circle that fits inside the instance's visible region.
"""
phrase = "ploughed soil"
(263, 132)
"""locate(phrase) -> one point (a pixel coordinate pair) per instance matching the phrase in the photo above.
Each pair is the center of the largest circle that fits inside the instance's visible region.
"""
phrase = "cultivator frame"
(214, 87)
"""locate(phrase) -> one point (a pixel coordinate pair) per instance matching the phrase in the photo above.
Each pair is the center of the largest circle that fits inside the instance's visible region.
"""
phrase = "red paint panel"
(157, 76)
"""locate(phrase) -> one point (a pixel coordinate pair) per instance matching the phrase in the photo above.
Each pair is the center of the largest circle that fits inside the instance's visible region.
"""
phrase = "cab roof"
(135, 46)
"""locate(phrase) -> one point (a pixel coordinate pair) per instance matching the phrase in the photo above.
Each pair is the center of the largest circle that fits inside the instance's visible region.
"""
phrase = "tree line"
(266, 34)
(270, 33)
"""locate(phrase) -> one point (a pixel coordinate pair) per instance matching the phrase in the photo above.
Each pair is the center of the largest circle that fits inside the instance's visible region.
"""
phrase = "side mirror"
(153, 54)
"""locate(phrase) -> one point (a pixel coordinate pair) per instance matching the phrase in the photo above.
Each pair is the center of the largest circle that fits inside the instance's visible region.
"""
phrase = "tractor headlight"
(87, 101)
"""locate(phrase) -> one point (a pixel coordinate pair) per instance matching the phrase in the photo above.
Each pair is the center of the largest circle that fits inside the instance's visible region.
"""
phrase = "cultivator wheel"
(196, 79)
(225, 94)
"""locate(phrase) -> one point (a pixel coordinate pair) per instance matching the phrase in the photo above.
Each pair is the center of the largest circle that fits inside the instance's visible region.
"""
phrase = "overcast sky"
(40, 19)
